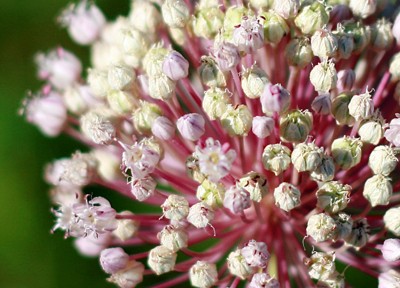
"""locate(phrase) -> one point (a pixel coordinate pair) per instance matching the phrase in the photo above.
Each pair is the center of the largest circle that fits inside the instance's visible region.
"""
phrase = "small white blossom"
(161, 260)
(200, 215)
(113, 259)
(248, 36)
(126, 228)
(143, 188)
(389, 279)
(98, 128)
(321, 265)
(175, 207)
(392, 220)
(287, 196)
(237, 199)
(130, 276)
(173, 238)
(361, 106)
(203, 274)
(238, 266)
(321, 227)
(378, 190)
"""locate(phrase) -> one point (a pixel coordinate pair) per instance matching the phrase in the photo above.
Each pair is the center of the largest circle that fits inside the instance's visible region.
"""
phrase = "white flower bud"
(359, 234)
(79, 98)
(263, 280)
(154, 59)
(360, 33)
(261, 4)
(253, 81)
(254, 183)
(287, 196)
(47, 112)
(276, 158)
(191, 126)
(381, 35)
(333, 197)
(211, 193)
(392, 220)
(237, 199)
(207, 22)
(227, 55)
(97, 128)
(161, 260)
(382, 160)
(323, 43)
(306, 157)
(321, 227)
(200, 215)
(262, 126)
(161, 87)
(173, 238)
(120, 77)
(80, 169)
(145, 115)
(325, 171)
(121, 102)
(340, 109)
(363, 8)
(136, 45)
(143, 188)
(346, 151)
(298, 52)
(215, 101)
(237, 120)
(389, 279)
(274, 98)
(139, 160)
(175, 13)
(98, 82)
(286, 8)
(346, 79)
(255, 253)
(238, 266)
(248, 36)
(66, 195)
(295, 126)
(361, 106)
(130, 276)
(371, 130)
(322, 104)
(175, 207)
(145, 17)
(175, 66)
(163, 128)
(275, 27)
(203, 274)
(323, 76)
(321, 265)
(91, 245)
(233, 17)
(126, 228)
(391, 249)
(210, 74)
(345, 43)
(335, 280)
(378, 190)
(113, 259)
(312, 17)
(393, 133)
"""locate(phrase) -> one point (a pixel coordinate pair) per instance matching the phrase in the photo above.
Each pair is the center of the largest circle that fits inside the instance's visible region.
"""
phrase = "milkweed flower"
(251, 137)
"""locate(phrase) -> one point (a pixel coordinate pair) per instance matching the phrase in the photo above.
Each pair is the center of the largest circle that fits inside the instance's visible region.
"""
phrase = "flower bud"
(295, 126)
(340, 109)
(307, 157)
(359, 234)
(391, 249)
(396, 29)
(389, 279)
(298, 52)
(325, 171)
(161, 87)
(363, 8)
(321, 265)
(378, 190)
(215, 101)
(394, 67)
(91, 245)
(130, 276)
(143, 188)
(237, 120)
(253, 81)
(79, 98)
(191, 126)
(47, 112)
(346, 151)
(175, 207)
(161, 260)
(275, 98)
(263, 280)
(345, 43)
(361, 106)
(173, 238)
(163, 128)
(175, 66)
(255, 253)
(126, 228)
(323, 43)
(322, 104)
(233, 17)
(344, 226)
(120, 77)
(211, 193)
(346, 79)
(333, 197)
(371, 130)
(97, 128)
(382, 160)
(80, 169)
(135, 44)
(392, 220)
(175, 13)
(227, 55)
(84, 22)
(237, 199)
(381, 35)
(393, 133)
(321, 227)
(98, 82)
(203, 274)
(207, 22)
(262, 126)
(311, 18)
(335, 280)
(323, 76)
(193, 169)
(200, 215)
(275, 27)
(238, 266)
(113, 259)
(276, 158)
(287, 196)
(210, 74)
(261, 4)
(248, 36)
(154, 59)
(286, 8)
(361, 35)
(254, 183)
(145, 115)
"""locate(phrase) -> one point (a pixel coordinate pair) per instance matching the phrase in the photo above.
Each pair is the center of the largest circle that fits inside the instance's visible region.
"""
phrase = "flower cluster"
(257, 130)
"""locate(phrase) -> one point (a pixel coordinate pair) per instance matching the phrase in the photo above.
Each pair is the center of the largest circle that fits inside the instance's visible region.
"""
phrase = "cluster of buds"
(236, 129)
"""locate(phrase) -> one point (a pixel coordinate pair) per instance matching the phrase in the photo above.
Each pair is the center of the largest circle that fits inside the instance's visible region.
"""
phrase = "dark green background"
(30, 257)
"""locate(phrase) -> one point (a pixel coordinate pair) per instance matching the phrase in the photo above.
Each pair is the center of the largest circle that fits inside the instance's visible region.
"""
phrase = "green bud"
(295, 126)
(144, 116)
(340, 109)
(210, 73)
(208, 22)
(378, 190)
(333, 197)
(211, 193)
(253, 81)
(298, 52)
(276, 158)
(323, 76)
(275, 27)
(311, 18)
(237, 120)
(215, 102)
(346, 151)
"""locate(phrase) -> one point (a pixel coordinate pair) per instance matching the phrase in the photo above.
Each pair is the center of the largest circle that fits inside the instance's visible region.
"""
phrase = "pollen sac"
(161, 260)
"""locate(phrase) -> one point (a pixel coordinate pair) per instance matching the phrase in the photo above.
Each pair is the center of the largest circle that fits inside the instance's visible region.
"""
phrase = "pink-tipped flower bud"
(175, 207)
(391, 249)
(262, 126)
(322, 104)
(200, 215)
(345, 79)
(321, 227)
(248, 36)
(128, 277)
(175, 66)
(163, 128)
(227, 55)
(237, 199)
(263, 280)
(274, 98)
(143, 188)
(113, 259)
(84, 22)
(161, 260)
(191, 126)
(255, 253)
